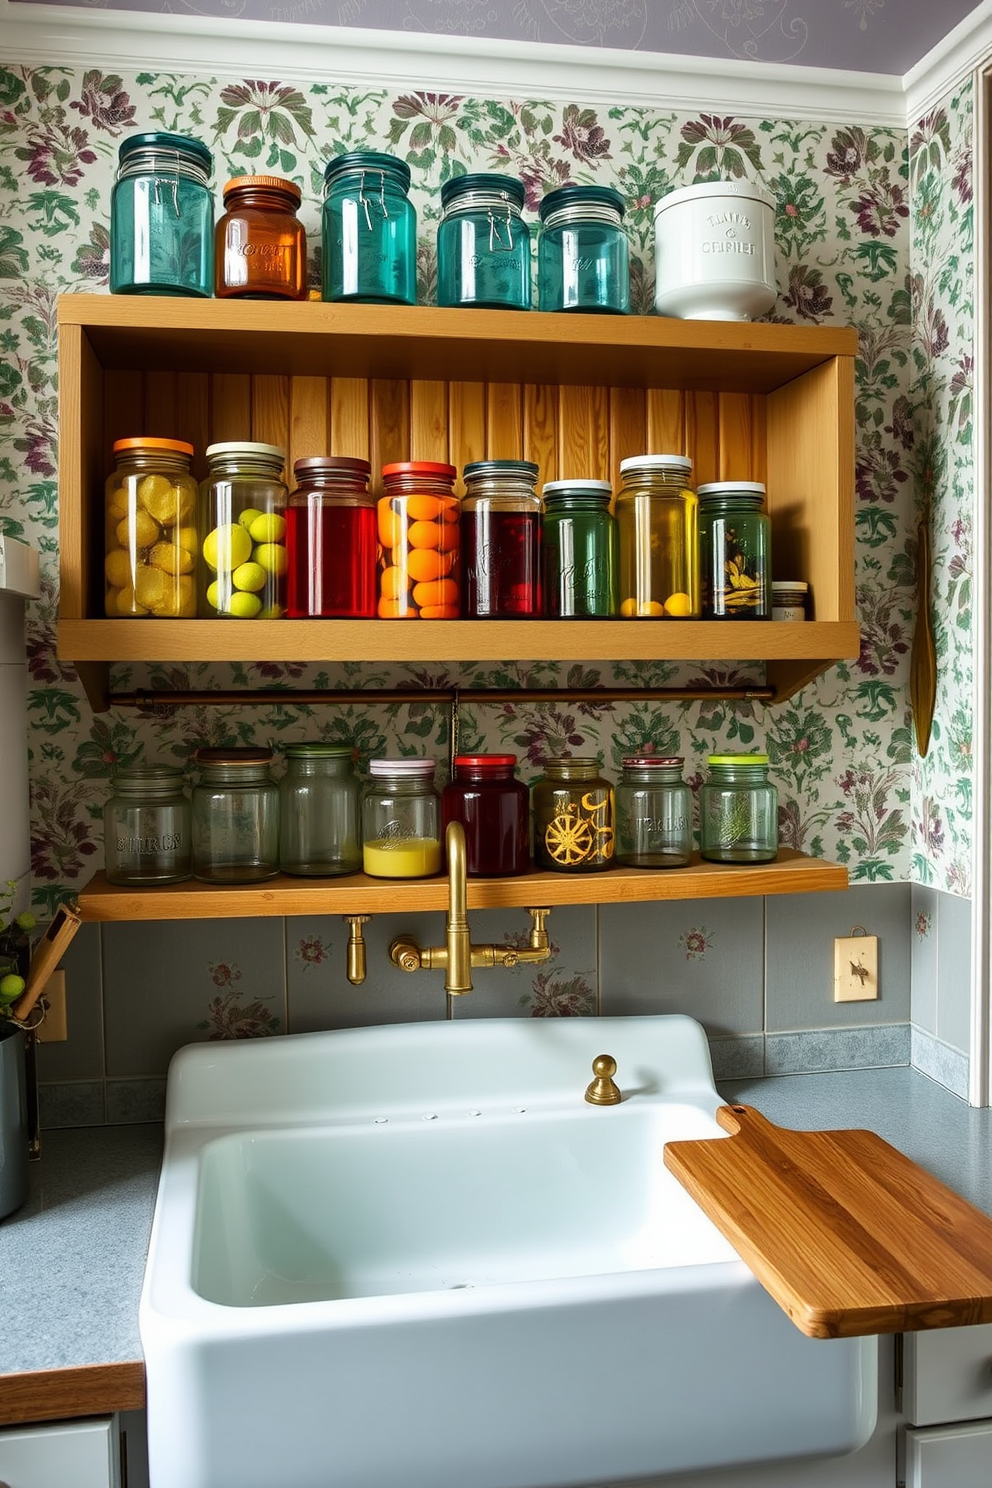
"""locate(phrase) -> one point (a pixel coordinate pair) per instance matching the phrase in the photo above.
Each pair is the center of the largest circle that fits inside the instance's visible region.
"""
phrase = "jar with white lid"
(715, 252)
(401, 813)
(789, 598)
(735, 551)
(243, 558)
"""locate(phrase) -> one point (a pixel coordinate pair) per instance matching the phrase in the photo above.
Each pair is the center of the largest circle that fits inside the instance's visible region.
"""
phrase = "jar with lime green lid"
(738, 810)
(319, 811)
(151, 532)
(243, 559)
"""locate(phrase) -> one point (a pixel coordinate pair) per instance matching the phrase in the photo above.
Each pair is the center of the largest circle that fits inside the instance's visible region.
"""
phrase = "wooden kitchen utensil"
(923, 657)
(847, 1234)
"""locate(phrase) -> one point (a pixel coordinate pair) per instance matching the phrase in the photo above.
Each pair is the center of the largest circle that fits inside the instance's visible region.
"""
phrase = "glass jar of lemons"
(658, 531)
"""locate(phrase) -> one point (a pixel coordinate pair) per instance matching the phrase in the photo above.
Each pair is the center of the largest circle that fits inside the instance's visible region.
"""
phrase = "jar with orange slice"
(657, 514)
(419, 542)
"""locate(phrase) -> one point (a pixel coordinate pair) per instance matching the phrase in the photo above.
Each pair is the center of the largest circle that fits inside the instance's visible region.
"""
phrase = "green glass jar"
(320, 811)
(368, 230)
(735, 551)
(738, 810)
(658, 526)
(583, 259)
(483, 244)
(573, 817)
(580, 550)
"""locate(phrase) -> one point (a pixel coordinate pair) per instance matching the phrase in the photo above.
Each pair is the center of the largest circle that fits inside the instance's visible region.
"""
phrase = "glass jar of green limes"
(243, 560)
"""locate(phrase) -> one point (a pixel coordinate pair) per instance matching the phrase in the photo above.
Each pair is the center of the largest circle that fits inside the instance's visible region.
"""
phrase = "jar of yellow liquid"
(401, 813)
(658, 530)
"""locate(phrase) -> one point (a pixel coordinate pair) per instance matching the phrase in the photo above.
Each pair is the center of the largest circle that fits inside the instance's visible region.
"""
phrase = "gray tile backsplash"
(757, 973)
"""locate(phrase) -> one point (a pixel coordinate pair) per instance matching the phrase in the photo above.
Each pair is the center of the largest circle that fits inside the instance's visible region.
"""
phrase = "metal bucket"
(13, 1120)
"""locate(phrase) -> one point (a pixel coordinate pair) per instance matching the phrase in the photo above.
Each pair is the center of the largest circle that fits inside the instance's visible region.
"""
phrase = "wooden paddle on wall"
(923, 657)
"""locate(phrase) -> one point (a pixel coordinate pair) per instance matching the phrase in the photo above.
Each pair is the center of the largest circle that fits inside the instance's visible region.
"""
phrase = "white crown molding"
(961, 53)
(481, 67)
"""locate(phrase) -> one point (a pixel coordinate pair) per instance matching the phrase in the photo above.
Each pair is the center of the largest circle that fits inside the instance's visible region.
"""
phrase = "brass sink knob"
(602, 1091)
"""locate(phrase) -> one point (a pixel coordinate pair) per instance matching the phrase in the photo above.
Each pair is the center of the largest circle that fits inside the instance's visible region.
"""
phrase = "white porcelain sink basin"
(415, 1257)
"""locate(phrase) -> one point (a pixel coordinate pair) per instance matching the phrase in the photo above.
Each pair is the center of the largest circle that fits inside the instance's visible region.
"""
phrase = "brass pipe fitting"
(356, 957)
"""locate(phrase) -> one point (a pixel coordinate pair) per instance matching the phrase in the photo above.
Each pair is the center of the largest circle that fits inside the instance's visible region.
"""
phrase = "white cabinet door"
(949, 1457)
(76, 1454)
(947, 1375)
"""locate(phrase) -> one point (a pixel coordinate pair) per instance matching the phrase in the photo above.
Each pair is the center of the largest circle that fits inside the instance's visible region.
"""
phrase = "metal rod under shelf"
(294, 697)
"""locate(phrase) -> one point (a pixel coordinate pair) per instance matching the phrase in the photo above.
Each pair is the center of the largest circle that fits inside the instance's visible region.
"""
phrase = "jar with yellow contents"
(573, 817)
(151, 531)
(658, 536)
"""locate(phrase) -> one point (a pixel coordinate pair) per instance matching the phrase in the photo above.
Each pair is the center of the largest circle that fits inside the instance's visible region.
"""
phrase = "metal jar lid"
(355, 161)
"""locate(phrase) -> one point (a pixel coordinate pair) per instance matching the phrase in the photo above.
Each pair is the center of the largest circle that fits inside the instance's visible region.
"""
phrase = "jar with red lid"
(419, 542)
(494, 808)
(151, 531)
(260, 246)
(330, 540)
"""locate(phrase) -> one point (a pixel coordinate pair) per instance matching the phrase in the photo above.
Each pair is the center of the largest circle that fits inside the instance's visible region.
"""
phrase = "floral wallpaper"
(867, 233)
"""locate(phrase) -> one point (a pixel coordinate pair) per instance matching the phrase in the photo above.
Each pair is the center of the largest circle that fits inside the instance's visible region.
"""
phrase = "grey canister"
(13, 1120)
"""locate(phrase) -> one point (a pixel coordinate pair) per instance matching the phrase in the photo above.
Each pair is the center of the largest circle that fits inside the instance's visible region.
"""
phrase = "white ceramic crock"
(715, 252)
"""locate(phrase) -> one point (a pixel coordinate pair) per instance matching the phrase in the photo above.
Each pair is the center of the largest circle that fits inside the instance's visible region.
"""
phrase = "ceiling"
(866, 36)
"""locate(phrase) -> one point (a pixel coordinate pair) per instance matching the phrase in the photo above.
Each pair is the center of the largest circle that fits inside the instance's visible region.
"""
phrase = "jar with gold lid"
(260, 249)
(151, 533)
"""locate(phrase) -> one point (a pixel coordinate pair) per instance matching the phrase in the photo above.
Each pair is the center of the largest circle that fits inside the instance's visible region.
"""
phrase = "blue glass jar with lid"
(368, 230)
(162, 217)
(583, 260)
(483, 244)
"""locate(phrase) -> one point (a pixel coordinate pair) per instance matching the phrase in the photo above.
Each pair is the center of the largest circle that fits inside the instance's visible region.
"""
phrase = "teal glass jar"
(368, 230)
(162, 218)
(580, 550)
(738, 810)
(320, 830)
(583, 259)
(483, 244)
(735, 551)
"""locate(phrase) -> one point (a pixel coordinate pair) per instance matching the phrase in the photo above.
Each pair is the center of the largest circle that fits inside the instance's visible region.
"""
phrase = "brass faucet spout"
(457, 936)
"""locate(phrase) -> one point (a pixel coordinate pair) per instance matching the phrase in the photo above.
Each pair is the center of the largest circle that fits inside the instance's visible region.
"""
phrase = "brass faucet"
(458, 955)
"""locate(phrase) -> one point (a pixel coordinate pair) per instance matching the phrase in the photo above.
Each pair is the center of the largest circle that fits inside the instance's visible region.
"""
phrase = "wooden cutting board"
(849, 1236)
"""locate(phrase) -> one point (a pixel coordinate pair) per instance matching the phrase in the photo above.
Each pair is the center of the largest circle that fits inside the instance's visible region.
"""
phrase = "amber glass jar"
(573, 817)
(260, 246)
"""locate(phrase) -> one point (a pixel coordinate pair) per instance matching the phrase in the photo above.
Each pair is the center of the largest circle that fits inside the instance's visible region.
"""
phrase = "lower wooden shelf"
(791, 873)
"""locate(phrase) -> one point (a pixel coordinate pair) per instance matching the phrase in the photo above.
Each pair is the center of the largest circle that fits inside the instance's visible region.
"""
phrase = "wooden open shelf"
(791, 873)
(576, 394)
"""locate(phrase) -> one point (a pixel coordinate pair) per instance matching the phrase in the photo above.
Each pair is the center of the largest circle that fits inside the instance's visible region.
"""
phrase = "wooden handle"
(48, 953)
(923, 657)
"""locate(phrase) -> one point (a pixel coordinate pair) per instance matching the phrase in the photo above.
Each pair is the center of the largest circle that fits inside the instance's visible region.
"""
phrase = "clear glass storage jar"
(789, 598)
(162, 217)
(583, 259)
(260, 250)
(579, 550)
(150, 526)
(483, 244)
(419, 538)
(572, 806)
(735, 551)
(494, 808)
(320, 811)
(369, 230)
(401, 832)
(146, 827)
(654, 813)
(501, 541)
(243, 559)
(658, 529)
(738, 810)
(235, 810)
(331, 540)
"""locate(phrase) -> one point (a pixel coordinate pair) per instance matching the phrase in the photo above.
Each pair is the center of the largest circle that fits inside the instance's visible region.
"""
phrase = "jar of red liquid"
(418, 521)
(494, 808)
(330, 540)
(501, 541)
(260, 246)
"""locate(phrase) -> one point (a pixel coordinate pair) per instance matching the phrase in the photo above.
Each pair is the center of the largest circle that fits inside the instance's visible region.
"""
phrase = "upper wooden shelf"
(420, 341)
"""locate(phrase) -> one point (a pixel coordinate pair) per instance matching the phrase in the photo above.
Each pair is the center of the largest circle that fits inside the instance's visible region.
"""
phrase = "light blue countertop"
(72, 1259)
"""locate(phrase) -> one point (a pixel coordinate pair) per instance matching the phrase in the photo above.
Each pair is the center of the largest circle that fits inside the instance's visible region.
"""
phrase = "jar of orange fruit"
(419, 541)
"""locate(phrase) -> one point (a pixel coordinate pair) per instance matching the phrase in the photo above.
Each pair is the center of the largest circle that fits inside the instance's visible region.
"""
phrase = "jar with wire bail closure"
(368, 230)
(483, 244)
(583, 258)
(162, 218)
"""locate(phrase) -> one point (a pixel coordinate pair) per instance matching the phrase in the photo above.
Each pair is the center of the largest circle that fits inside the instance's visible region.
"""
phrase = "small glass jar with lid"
(151, 534)
(580, 550)
(401, 810)
(368, 230)
(483, 244)
(735, 551)
(789, 599)
(243, 559)
(146, 827)
(583, 259)
(320, 811)
(419, 527)
(572, 807)
(494, 808)
(658, 529)
(162, 217)
(501, 541)
(331, 540)
(654, 813)
(235, 810)
(738, 810)
(260, 250)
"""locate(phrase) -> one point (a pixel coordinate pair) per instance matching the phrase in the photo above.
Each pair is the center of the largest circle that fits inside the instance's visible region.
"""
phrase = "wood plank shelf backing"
(847, 1234)
(575, 394)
